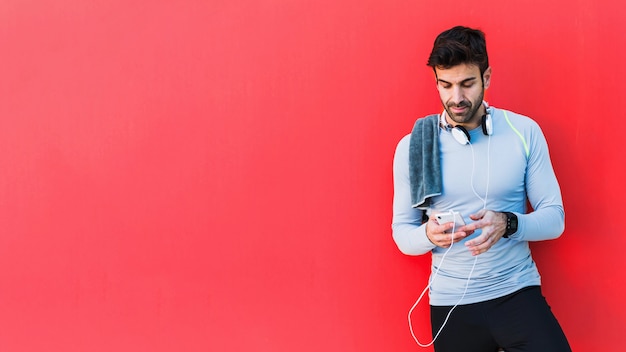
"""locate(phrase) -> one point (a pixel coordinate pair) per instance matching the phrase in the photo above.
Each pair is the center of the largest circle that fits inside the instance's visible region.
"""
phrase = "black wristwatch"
(511, 224)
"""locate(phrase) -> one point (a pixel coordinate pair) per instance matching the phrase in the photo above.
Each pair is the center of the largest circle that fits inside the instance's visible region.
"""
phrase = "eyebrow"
(463, 81)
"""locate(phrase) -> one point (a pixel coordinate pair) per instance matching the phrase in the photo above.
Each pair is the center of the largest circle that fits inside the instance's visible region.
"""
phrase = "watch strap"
(511, 224)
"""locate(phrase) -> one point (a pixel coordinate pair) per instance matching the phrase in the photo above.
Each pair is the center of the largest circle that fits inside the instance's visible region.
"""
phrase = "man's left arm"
(547, 219)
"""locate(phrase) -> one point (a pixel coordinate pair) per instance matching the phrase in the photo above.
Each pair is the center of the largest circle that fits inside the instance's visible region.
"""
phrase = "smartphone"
(450, 216)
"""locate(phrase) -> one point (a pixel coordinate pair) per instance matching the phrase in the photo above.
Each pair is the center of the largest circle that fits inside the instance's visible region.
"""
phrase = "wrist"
(511, 224)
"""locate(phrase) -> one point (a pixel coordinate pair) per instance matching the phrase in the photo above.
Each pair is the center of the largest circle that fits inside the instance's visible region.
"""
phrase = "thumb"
(478, 215)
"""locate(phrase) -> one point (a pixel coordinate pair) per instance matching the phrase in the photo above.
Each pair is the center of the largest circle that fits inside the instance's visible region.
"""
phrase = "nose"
(457, 95)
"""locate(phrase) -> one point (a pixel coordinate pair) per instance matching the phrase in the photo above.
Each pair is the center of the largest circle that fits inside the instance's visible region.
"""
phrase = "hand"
(441, 236)
(493, 225)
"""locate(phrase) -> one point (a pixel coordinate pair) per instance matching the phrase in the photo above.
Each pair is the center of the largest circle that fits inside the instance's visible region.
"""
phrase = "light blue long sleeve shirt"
(508, 169)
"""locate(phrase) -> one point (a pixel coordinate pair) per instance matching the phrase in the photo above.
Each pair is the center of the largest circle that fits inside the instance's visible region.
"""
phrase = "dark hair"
(459, 45)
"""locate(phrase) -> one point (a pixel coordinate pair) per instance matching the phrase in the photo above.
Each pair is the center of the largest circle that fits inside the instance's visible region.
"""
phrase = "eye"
(468, 84)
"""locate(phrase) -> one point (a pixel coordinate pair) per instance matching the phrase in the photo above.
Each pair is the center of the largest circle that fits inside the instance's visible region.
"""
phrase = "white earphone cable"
(484, 200)
(428, 287)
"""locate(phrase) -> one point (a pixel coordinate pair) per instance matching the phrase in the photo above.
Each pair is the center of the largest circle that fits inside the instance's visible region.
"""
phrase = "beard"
(469, 114)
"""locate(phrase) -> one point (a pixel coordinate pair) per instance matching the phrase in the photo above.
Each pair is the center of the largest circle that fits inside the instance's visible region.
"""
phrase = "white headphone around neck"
(461, 134)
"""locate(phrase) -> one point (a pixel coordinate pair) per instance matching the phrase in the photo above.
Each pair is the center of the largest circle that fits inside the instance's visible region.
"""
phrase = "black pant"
(519, 322)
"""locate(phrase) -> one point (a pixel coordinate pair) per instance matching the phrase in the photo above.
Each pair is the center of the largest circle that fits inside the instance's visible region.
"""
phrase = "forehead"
(458, 73)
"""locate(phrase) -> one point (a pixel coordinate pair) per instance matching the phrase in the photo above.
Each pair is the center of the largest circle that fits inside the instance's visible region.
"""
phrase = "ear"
(487, 78)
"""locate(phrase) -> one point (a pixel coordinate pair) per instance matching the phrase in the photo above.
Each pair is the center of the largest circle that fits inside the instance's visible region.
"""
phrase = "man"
(486, 164)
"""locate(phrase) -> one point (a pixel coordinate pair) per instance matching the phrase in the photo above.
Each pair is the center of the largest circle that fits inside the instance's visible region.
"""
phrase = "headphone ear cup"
(461, 135)
(487, 125)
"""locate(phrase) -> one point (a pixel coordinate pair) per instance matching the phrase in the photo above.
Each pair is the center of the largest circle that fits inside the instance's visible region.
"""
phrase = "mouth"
(459, 110)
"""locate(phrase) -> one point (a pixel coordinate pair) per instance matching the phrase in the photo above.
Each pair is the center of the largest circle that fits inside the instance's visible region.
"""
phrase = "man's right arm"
(408, 231)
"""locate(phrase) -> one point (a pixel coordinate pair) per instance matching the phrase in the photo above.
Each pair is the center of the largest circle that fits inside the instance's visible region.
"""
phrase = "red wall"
(216, 176)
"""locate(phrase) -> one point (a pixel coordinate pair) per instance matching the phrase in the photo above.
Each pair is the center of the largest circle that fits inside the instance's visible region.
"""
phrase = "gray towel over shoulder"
(424, 163)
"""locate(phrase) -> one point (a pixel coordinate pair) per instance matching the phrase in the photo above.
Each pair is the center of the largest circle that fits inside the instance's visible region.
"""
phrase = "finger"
(446, 239)
(461, 235)
(479, 246)
(478, 215)
(478, 243)
(471, 227)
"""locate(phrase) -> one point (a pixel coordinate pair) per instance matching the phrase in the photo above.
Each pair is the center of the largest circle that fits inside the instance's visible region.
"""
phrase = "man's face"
(461, 90)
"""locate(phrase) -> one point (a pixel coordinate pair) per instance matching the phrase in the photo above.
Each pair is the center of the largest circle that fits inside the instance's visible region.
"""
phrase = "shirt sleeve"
(547, 220)
(408, 232)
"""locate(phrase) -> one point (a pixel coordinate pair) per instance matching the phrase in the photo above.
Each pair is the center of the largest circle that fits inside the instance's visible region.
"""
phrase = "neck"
(476, 120)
